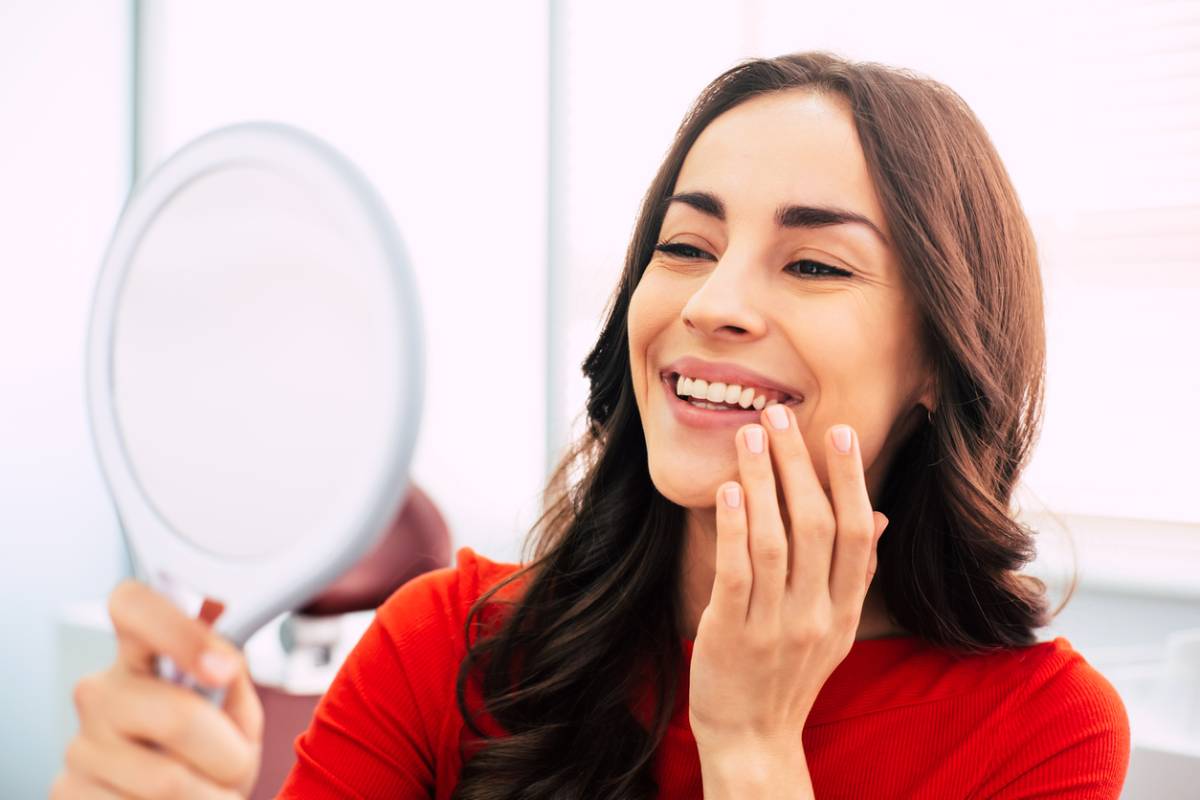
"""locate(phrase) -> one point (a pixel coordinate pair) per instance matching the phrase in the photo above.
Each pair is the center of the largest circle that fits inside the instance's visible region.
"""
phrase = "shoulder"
(448, 588)
(1055, 680)
(1064, 724)
(437, 602)
(381, 728)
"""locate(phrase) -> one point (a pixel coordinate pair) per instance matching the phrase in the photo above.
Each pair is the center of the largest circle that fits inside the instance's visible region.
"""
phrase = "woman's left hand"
(785, 608)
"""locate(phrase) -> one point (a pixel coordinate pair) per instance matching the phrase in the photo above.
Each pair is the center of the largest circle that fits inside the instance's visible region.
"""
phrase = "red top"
(896, 718)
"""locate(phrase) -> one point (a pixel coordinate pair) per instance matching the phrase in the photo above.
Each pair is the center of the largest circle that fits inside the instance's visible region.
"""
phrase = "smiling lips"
(730, 394)
(705, 414)
(720, 395)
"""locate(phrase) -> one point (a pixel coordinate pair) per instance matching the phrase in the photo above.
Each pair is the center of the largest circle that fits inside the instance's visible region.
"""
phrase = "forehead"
(793, 146)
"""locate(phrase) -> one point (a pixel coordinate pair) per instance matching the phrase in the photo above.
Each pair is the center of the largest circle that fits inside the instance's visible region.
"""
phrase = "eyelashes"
(688, 251)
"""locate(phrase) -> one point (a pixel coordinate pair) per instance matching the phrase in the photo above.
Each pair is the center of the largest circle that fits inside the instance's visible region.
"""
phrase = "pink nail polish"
(841, 438)
(219, 666)
(733, 495)
(754, 439)
(777, 414)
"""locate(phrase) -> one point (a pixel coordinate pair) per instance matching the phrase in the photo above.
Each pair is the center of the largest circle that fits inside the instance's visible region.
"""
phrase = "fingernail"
(733, 495)
(754, 439)
(218, 666)
(841, 438)
(778, 416)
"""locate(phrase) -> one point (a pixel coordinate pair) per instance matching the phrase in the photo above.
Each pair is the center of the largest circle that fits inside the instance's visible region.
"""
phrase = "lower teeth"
(713, 407)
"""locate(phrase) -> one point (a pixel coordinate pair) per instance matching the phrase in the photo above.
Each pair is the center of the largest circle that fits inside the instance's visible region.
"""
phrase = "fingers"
(766, 537)
(832, 548)
(123, 705)
(141, 736)
(244, 707)
(808, 511)
(133, 770)
(856, 523)
(734, 577)
(69, 785)
(148, 624)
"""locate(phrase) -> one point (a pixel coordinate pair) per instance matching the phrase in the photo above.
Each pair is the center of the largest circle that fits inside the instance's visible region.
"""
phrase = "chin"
(691, 481)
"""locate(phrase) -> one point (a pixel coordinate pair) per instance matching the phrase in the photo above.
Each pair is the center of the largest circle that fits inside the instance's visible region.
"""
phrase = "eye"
(684, 250)
(804, 267)
(828, 271)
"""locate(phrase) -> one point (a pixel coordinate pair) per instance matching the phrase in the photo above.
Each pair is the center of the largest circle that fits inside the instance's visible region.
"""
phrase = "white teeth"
(718, 392)
(710, 406)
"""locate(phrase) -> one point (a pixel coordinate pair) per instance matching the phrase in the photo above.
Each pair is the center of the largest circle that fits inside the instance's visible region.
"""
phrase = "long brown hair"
(599, 613)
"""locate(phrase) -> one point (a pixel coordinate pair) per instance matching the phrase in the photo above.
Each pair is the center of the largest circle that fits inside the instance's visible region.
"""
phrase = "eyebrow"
(786, 216)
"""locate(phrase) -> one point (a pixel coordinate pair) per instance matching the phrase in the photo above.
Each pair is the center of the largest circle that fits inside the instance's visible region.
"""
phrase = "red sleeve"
(373, 734)
(1072, 743)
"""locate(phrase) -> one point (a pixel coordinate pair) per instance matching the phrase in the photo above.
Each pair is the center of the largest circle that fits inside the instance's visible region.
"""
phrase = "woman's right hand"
(142, 737)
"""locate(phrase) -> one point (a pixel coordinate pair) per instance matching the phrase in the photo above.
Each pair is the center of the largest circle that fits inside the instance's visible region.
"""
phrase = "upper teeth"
(732, 393)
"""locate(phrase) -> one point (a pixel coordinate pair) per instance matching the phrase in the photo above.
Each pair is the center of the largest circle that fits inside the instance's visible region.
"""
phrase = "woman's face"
(809, 298)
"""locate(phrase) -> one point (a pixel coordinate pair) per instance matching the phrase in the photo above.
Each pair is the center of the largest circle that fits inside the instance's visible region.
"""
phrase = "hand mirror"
(254, 373)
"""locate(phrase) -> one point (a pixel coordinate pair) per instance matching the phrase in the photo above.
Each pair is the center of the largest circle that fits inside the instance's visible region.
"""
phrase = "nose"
(727, 304)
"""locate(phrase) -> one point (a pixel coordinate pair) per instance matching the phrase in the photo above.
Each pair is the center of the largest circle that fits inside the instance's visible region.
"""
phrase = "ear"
(929, 393)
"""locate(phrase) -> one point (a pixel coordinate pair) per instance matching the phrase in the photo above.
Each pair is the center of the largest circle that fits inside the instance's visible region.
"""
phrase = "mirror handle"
(203, 608)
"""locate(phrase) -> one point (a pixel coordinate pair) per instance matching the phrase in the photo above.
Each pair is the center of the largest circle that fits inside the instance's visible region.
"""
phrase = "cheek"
(862, 366)
(650, 313)
(861, 343)
(650, 302)
(639, 328)
(844, 348)
(636, 322)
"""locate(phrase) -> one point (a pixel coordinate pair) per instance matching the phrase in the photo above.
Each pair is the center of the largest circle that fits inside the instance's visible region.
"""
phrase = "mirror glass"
(245, 363)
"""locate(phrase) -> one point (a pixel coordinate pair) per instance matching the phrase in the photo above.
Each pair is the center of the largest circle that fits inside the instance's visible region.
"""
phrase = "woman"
(830, 322)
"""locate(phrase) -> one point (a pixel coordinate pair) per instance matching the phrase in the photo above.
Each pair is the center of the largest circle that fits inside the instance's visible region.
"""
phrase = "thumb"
(881, 522)
(243, 705)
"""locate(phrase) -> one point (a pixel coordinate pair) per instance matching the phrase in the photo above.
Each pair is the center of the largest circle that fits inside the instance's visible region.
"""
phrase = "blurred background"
(513, 142)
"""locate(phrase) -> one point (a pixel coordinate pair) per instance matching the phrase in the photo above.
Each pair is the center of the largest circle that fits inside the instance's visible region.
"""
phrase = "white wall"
(63, 177)
(443, 106)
